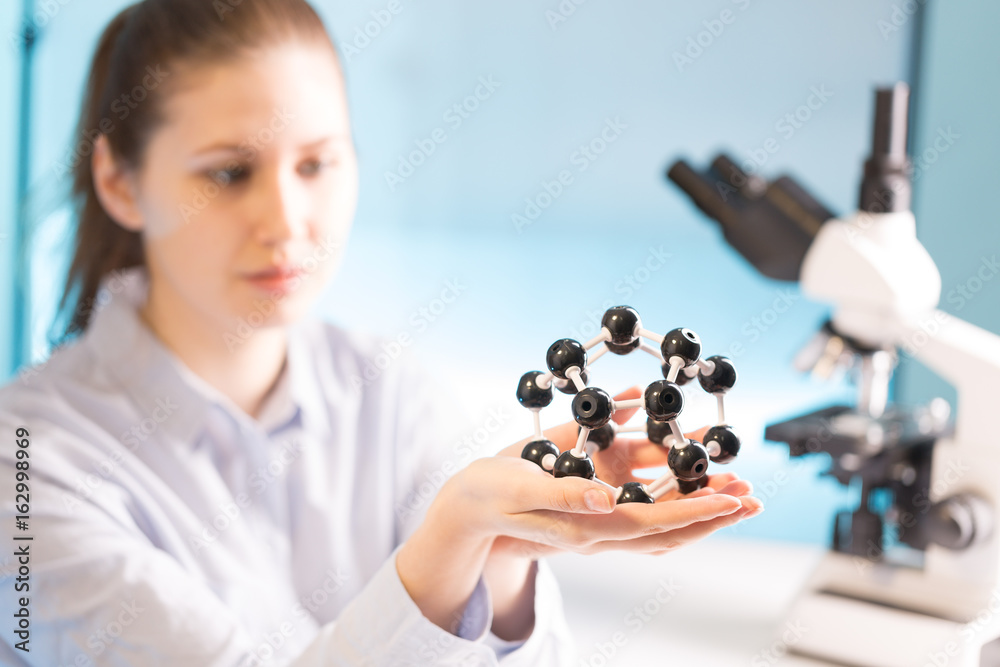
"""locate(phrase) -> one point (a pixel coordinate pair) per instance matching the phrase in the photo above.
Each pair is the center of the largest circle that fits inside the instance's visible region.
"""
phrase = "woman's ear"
(115, 187)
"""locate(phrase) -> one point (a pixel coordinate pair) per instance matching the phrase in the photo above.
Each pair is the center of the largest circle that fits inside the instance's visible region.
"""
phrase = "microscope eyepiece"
(771, 224)
(885, 187)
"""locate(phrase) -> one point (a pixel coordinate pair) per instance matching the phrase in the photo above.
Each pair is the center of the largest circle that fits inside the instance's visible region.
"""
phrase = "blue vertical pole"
(21, 319)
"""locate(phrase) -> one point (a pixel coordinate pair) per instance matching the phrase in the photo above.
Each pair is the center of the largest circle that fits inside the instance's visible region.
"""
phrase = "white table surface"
(727, 607)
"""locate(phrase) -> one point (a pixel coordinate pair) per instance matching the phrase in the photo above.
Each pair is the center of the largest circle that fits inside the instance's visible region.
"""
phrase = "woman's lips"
(277, 279)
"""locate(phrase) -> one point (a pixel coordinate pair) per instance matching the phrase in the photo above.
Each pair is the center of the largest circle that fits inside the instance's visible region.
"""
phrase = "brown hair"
(123, 101)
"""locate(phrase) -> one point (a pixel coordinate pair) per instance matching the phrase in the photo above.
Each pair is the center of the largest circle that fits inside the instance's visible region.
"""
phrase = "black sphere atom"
(657, 431)
(624, 349)
(682, 343)
(686, 487)
(570, 387)
(621, 321)
(721, 379)
(570, 465)
(603, 436)
(592, 407)
(530, 395)
(664, 400)
(689, 462)
(536, 450)
(563, 355)
(729, 443)
(633, 492)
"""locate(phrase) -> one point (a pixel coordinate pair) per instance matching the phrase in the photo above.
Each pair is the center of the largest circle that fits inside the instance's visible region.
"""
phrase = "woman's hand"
(503, 508)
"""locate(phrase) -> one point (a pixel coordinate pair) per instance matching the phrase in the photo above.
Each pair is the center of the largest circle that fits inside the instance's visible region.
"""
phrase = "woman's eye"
(313, 167)
(229, 175)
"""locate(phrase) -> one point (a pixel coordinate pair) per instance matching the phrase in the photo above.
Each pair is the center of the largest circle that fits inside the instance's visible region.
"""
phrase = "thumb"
(576, 495)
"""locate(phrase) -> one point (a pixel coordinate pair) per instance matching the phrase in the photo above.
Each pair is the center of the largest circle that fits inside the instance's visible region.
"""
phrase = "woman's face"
(248, 188)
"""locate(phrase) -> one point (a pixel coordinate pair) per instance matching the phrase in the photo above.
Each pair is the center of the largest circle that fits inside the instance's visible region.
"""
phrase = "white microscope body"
(885, 288)
(935, 599)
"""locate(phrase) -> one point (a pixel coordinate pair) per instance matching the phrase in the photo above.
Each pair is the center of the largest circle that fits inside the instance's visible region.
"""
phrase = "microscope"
(912, 578)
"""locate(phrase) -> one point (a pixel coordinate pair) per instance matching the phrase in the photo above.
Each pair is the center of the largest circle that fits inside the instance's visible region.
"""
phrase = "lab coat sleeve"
(101, 593)
(383, 626)
(435, 441)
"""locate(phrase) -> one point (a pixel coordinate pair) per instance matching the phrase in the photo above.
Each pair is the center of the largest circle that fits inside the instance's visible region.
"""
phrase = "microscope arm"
(968, 358)
(884, 288)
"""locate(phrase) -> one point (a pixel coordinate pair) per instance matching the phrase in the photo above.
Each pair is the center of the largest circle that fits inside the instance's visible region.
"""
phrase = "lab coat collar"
(152, 375)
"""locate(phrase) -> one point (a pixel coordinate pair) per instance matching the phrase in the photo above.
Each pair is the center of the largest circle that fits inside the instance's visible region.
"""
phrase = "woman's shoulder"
(45, 383)
(66, 402)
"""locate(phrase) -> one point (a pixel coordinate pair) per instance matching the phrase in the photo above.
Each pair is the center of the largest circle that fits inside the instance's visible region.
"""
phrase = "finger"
(565, 494)
(720, 480)
(669, 541)
(622, 416)
(628, 521)
(737, 488)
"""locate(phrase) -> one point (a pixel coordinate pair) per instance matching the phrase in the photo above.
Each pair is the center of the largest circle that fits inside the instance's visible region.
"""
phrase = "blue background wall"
(955, 218)
(618, 233)
(9, 63)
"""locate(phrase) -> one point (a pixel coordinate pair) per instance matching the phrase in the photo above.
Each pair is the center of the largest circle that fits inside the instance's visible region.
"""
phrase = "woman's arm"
(440, 566)
(511, 581)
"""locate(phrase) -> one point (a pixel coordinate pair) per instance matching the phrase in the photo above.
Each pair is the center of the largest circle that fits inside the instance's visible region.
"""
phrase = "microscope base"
(868, 630)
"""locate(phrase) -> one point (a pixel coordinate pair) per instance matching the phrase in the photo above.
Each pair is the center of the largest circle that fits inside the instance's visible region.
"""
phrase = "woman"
(208, 486)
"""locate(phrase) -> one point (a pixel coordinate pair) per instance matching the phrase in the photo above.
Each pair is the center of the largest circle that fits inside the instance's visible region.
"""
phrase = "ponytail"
(101, 245)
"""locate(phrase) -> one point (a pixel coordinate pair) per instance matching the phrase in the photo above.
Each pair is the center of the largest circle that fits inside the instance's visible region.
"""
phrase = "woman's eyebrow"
(330, 139)
(234, 147)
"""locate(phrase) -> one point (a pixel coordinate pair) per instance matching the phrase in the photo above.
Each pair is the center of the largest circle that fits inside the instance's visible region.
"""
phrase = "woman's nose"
(281, 215)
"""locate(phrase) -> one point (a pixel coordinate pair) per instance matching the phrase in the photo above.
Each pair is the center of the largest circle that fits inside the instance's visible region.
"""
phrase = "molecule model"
(679, 354)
